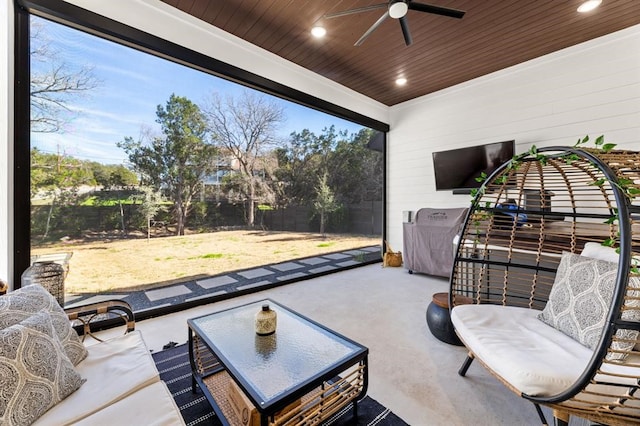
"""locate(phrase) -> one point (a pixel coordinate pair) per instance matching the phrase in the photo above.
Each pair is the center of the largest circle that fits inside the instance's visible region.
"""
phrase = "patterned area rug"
(173, 364)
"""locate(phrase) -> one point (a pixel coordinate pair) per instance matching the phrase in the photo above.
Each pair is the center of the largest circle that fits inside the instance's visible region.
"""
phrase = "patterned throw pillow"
(26, 301)
(580, 299)
(35, 373)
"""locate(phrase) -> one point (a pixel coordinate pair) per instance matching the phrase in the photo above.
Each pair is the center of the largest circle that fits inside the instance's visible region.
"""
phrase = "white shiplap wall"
(589, 89)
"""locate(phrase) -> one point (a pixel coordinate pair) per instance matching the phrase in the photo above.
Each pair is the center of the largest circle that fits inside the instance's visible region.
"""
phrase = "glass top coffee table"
(303, 373)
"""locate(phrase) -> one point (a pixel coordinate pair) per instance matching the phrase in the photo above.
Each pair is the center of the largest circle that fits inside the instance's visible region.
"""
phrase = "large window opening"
(146, 173)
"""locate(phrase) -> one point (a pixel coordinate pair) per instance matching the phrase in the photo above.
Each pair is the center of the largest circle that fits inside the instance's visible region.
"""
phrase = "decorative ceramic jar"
(49, 275)
(266, 321)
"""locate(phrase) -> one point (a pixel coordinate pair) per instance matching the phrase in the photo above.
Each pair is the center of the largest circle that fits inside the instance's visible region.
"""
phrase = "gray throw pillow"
(35, 372)
(580, 299)
(26, 301)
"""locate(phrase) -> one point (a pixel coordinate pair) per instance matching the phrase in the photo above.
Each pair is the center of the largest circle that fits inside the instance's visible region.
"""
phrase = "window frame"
(100, 26)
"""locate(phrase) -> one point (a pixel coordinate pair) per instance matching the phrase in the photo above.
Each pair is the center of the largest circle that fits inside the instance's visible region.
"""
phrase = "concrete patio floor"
(410, 371)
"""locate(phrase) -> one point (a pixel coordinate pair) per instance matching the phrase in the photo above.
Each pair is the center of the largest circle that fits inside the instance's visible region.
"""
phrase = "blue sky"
(132, 85)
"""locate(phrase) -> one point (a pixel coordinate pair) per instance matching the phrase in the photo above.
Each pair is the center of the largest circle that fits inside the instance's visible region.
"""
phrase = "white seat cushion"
(532, 357)
(113, 370)
(151, 405)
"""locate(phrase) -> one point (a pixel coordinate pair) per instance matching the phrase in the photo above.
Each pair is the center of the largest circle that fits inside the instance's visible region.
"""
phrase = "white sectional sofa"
(122, 387)
(112, 382)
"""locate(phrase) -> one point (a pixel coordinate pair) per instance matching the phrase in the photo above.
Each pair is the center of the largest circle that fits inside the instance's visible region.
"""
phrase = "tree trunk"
(121, 214)
(179, 218)
(322, 223)
(53, 203)
(179, 210)
(180, 224)
(251, 215)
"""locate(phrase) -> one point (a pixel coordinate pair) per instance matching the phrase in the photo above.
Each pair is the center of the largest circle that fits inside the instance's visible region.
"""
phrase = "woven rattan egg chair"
(531, 214)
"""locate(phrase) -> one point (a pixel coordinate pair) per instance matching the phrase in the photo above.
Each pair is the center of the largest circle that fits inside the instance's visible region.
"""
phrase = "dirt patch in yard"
(110, 264)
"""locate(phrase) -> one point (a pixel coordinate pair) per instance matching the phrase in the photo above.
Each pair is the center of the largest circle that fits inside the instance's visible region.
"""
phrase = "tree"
(177, 161)
(325, 202)
(57, 177)
(245, 128)
(297, 168)
(54, 83)
(356, 170)
(150, 205)
(307, 159)
(113, 176)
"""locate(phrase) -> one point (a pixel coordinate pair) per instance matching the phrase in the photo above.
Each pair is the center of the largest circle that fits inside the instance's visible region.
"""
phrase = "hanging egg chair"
(545, 287)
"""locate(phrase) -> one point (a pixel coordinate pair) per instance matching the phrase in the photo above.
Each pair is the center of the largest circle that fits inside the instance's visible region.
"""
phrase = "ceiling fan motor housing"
(398, 9)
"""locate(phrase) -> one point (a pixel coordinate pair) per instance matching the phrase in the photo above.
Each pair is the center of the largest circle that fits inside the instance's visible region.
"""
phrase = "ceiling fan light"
(589, 5)
(398, 9)
(318, 31)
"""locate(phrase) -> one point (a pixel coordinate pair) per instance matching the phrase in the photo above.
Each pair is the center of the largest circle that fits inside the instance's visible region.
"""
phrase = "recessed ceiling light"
(589, 5)
(401, 81)
(318, 31)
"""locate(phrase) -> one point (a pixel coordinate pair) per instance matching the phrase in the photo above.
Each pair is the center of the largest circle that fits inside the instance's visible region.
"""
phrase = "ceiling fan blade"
(372, 29)
(356, 10)
(422, 7)
(404, 24)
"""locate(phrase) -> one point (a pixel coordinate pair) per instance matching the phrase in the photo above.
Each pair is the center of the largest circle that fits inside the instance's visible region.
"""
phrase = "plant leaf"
(542, 159)
(582, 142)
(570, 158)
(482, 177)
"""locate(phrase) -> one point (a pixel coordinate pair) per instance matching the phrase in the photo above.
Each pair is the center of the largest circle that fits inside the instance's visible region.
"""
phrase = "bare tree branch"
(54, 83)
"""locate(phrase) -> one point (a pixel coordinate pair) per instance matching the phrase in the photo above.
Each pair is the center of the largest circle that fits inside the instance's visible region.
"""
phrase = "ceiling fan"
(397, 9)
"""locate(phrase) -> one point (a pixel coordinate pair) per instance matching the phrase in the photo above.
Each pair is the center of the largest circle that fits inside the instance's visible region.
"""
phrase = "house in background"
(589, 88)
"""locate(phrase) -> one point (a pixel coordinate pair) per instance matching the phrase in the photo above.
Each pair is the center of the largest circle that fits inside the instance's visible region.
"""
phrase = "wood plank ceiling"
(494, 34)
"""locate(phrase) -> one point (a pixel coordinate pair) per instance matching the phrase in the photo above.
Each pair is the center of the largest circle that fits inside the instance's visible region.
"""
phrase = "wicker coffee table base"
(316, 406)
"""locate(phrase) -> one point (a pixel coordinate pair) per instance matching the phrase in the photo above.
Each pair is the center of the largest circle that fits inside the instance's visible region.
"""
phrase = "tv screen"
(457, 169)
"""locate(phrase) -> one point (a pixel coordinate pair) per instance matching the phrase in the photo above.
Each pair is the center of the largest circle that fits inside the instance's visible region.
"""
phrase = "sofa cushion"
(134, 409)
(532, 357)
(35, 372)
(580, 300)
(113, 370)
(26, 301)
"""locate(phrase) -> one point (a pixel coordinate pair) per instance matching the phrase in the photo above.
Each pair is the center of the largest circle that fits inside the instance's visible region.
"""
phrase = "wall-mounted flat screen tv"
(457, 169)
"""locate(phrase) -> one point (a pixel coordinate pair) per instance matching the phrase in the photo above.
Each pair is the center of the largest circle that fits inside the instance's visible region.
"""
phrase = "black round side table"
(439, 321)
